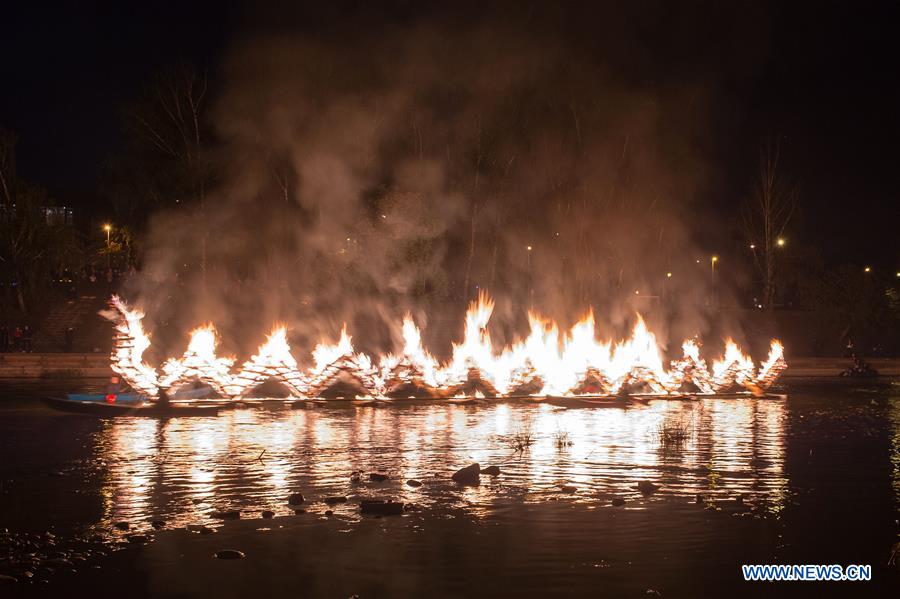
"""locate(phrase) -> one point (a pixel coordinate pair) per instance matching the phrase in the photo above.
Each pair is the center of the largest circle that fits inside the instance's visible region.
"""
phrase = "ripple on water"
(182, 469)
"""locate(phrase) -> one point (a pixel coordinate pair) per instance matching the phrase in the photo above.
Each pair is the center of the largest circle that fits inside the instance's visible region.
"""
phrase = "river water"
(810, 478)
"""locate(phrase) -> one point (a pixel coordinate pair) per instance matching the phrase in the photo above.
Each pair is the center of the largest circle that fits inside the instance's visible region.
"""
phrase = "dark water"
(814, 478)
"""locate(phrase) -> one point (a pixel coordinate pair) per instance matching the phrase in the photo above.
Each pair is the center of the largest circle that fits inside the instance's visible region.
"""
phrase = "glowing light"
(668, 275)
(780, 241)
(867, 269)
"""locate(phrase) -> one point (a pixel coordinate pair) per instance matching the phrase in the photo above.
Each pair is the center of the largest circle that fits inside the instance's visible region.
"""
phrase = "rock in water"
(568, 488)
(646, 487)
(380, 507)
(6, 578)
(295, 499)
(377, 477)
(491, 471)
(335, 500)
(61, 562)
(229, 554)
(158, 524)
(268, 514)
(122, 525)
(617, 501)
(138, 539)
(470, 475)
(227, 515)
(413, 483)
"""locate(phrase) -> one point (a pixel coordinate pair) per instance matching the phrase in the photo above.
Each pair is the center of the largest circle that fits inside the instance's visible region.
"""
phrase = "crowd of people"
(17, 339)
(70, 283)
(90, 279)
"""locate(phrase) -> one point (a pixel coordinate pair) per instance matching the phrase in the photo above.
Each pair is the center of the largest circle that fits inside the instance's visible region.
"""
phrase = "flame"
(200, 363)
(772, 368)
(273, 361)
(734, 367)
(548, 361)
(131, 342)
(476, 350)
(414, 365)
(326, 354)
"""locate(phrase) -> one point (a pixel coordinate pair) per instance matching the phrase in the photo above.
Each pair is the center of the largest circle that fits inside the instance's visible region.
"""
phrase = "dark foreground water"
(814, 478)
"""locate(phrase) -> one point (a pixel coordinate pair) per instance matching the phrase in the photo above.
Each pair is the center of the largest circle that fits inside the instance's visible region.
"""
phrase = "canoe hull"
(106, 410)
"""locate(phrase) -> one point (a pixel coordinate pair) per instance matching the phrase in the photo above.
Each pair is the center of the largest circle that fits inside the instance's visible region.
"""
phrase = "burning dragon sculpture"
(544, 363)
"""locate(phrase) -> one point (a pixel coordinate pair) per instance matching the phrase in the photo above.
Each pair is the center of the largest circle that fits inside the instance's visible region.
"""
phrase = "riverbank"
(54, 365)
(96, 365)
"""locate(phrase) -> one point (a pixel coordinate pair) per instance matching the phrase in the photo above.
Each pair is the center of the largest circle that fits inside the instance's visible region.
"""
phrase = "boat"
(130, 399)
(105, 409)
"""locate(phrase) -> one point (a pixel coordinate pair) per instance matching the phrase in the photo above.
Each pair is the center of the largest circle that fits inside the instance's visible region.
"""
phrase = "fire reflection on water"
(183, 469)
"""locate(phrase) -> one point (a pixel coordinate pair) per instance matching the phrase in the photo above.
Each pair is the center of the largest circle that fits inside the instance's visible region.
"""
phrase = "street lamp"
(530, 279)
(780, 241)
(107, 227)
(867, 269)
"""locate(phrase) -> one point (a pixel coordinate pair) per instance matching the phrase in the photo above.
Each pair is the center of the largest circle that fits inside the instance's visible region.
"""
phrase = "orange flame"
(546, 361)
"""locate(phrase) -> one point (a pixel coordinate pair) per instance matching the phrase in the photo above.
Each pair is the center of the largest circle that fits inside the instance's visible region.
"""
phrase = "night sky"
(820, 75)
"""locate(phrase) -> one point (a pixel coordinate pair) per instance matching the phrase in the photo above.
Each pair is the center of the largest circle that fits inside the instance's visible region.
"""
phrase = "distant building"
(58, 215)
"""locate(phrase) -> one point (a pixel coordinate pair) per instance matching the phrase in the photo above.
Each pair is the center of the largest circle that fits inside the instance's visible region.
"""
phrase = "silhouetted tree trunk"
(474, 216)
(766, 215)
(172, 122)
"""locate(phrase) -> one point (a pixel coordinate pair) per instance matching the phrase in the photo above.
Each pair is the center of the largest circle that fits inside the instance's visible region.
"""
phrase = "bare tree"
(30, 245)
(766, 215)
(7, 166)
(171, 121)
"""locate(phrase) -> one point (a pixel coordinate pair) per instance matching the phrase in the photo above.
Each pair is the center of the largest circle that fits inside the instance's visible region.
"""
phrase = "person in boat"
(162, 399)
(114, 386)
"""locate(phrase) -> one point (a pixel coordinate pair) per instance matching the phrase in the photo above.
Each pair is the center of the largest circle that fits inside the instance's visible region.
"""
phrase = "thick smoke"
(364, 172)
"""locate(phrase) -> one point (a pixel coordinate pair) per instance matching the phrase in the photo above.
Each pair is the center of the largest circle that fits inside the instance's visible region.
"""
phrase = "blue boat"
(110, 398)
(106, 409)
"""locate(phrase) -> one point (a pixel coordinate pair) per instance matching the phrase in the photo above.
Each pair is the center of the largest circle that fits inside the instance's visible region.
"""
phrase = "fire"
(129, 346)
(734, 368)
(200, 363)
(273, 361)
(548, 361)
(415, 370)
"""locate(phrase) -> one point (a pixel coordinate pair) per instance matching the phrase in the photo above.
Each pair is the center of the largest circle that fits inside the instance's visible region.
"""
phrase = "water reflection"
(182, 469)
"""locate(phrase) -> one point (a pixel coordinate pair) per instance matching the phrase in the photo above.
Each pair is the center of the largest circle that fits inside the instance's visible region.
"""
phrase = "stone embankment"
(54, 365)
